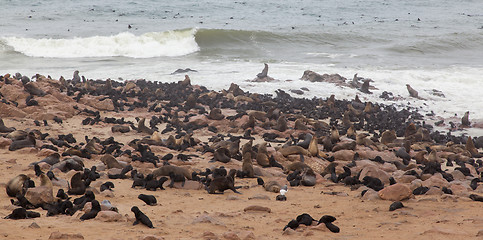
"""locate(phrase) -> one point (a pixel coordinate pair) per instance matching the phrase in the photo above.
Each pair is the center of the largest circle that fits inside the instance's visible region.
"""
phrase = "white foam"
(148, 45)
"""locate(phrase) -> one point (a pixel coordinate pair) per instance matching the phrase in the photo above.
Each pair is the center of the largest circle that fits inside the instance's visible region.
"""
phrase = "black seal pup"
(96, 208)
(141, 217)
(148, 199)
(327, 220)
(22, 213)
(107, 186)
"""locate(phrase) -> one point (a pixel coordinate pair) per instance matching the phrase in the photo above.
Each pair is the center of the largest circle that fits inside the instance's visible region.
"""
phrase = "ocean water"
(434, 44)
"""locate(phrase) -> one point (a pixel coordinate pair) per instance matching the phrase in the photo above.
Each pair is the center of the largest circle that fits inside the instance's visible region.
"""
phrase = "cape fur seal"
(465, 121)
(264, 72)
(77, 186)
(17, 185)
(247, 165)
(141, 217)
(165, 170)
(19, 144)
(223, 183)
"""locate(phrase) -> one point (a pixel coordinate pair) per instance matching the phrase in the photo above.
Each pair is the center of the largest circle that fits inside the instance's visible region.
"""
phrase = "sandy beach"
(190, 212)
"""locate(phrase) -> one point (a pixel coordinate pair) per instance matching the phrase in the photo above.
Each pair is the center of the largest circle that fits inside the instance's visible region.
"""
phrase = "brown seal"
(262, 155)
(334, 134)
(470, 146)
(142, 127)
(465, 121)
(222, 155)
(16, 185)
(165, 170)
(5, 129)
(111, 162)
(19, 144)
(290, 150)
(215, 114)
(299, 125)
(264, 72)
(313, 147)
(388, 136)
(247, 165)
(413, 93)
(77, 186)
(223, 183)
(272, 186)
(281, 124)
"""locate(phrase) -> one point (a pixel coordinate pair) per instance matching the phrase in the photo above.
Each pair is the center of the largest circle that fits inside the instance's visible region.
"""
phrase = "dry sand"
(195, 214)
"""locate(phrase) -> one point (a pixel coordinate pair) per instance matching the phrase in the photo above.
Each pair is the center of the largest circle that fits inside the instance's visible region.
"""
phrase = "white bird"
(283, 190)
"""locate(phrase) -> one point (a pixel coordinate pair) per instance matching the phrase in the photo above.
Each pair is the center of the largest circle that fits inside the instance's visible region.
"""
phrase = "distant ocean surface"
(433, 44)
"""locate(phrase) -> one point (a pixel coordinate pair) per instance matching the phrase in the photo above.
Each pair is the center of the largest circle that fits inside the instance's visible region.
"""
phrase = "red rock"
(255, 208)
(436, 180)
(45, 152)
(59, 235)
(4, 142)
(39, 195)
(109, 216)
(230, 236)
(374, 172)
(8, 110)
(396, 192)
(344, 155)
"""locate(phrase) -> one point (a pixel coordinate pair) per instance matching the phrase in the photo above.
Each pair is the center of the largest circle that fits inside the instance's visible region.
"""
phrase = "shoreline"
(191, 213)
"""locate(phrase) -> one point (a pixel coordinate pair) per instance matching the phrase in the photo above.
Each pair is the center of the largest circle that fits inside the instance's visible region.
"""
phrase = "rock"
(344, 155)
(14, 93)
(374, 172)
(458, 175)
(8, 110)
(4, 142)
(208, 219)
(460, 190)
(59, 235)
(105, 105)
(288, 232)
(434, 191)
(189, 184)
(396, 192)
(45, 152)
(107, 194)
(34, 225)
(436, 180)
(370, 195)
(39, 195)
(442, 231)
(415, 184)
(406, 179)
(256, 208)
(230, 236)
(259, 197)
(209, 236)
(247, 235)
(60, 183)
(114, 171)
(480, 233)
(232, 197)
(109, 216)
(150, 237)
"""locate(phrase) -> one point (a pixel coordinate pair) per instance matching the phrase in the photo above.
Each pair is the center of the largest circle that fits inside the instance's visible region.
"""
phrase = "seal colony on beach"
(206, 142)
